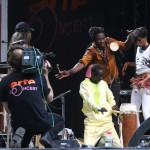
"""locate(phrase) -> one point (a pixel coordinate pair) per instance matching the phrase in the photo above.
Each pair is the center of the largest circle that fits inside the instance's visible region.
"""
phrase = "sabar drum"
(129, 121)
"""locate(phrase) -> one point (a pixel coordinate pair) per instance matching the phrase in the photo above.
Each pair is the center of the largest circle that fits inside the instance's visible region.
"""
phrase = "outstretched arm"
(67, 73)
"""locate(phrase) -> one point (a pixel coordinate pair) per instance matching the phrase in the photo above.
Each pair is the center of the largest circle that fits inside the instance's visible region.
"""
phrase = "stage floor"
(102, 148)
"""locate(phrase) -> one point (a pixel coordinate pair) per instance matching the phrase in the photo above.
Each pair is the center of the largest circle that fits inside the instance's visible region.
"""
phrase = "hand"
(129, 63)
(62, 74)
(144, 83)
(46, 69)
(115, 107)
(129, 31)
(130, 34)
(102, 109)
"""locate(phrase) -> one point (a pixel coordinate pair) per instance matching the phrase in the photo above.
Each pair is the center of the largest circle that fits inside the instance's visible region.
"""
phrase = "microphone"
(62, 95)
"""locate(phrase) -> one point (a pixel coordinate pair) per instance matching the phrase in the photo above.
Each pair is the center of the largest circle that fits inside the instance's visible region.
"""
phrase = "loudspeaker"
(139, 133)
(67, 143)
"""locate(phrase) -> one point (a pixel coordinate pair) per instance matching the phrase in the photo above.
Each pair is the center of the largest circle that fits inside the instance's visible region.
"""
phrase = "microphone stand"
(62, 97)
(63, 106)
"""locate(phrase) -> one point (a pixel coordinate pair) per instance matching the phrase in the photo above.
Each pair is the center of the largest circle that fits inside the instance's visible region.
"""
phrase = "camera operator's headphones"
(11, 58)
(31, 60)
(15, 45)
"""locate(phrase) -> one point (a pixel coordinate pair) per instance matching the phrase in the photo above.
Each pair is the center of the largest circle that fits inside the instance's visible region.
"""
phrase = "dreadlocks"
(93, 31)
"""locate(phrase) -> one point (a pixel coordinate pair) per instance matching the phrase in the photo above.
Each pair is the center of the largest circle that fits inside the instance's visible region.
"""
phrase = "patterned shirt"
(142, 60)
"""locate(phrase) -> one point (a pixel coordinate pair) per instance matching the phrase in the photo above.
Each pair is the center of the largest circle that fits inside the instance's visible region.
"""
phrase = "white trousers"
(141, 97)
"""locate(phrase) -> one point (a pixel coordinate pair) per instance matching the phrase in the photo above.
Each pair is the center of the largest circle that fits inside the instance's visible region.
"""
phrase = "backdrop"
(62, 27)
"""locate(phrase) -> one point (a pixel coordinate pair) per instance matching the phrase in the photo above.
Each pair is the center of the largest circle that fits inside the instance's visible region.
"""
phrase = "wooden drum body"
(129, 126)
(129, 122)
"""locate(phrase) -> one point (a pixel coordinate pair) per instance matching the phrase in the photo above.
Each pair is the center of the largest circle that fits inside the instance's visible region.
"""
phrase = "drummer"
(98, 103)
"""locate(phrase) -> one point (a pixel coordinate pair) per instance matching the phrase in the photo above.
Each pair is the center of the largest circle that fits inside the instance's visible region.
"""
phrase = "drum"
(129, 121)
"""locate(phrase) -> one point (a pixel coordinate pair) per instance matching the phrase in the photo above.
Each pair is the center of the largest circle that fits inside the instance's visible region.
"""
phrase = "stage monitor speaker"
(67, 143)
(139, 133)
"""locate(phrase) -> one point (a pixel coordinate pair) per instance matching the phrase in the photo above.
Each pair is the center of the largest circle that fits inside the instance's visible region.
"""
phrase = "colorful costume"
(141, 95)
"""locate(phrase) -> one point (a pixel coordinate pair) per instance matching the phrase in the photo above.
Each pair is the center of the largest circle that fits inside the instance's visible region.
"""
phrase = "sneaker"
(17, 138)
(47, 141)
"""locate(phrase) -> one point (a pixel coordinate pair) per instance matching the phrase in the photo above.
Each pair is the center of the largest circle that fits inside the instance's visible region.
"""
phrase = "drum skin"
(129, 126)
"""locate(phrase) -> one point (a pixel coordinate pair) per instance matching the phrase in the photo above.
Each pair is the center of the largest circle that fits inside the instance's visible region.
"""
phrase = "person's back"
(25, 101)
(24, 94)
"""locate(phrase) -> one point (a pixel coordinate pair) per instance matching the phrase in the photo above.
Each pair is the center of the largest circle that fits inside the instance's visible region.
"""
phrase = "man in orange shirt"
(99, 52)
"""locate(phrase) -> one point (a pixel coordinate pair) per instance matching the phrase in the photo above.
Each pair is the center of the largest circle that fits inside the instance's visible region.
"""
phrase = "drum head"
(127, 107)
(114, 46)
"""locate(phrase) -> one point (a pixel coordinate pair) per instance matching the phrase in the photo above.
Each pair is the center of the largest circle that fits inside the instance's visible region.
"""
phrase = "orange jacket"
(94, 56)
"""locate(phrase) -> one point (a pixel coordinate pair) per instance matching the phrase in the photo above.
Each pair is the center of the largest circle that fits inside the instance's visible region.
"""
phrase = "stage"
(80, 148)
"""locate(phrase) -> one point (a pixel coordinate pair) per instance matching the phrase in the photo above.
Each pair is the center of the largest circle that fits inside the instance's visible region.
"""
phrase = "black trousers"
(58, 126)
(115, 88)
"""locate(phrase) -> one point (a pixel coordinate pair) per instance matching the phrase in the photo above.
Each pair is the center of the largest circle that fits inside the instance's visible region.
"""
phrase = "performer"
(99, 52)
(140, 83)
(98, 103)
(23, 97)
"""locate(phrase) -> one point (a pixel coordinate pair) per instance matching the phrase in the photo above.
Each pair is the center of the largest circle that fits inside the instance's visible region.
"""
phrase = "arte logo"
(18, 87)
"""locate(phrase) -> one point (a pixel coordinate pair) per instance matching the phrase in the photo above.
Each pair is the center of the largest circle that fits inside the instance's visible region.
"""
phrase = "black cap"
(23, 26)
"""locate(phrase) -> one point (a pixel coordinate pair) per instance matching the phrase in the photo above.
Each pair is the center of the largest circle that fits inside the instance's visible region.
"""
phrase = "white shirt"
(142, 60)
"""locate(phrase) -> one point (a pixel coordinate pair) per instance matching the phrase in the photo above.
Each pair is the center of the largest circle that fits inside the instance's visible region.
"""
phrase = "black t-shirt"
(24, 94)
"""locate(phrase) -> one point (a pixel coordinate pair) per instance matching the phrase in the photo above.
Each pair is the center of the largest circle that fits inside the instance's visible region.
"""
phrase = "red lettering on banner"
(67, 28)
(75, 4)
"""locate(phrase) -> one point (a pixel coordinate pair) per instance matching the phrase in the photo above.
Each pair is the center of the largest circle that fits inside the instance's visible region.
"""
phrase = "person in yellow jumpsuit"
(98, 106)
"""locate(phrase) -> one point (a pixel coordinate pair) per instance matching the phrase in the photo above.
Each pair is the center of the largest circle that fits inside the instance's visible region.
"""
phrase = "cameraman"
(22, 96)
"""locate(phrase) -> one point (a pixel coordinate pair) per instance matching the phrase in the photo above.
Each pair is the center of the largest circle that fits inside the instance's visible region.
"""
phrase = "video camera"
(33, 59)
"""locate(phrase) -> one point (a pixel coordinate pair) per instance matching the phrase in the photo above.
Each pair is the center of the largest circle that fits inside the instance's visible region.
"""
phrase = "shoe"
(17, 138)
(47, 141)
